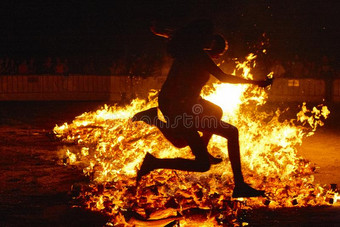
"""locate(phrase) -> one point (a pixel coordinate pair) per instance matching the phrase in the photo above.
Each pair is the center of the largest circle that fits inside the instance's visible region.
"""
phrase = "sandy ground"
(36, 191)
(323, 149)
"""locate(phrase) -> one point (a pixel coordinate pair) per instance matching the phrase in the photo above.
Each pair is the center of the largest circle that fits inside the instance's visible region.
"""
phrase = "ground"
(36, 190)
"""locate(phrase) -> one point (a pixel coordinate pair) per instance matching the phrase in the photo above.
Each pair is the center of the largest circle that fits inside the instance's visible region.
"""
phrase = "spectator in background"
(297, 67)
(23, 68)
(1, 66)
(89, 68)
(288, 67)
(61, 67)
(113, 67)
(157, 62)
(66, 67)
(327, 73)
(31, 66)
(12, 67)
(6, 66)
(75, 67)
(121, 67)
(48, 66)
(140, 66)
(307, 69)
(131, 64)
(278, 69)
(325, 67)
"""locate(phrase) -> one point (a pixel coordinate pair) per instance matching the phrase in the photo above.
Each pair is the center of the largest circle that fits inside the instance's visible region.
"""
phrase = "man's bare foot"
(146, 167)
(244, 190)
(148, 116)
(213, 160)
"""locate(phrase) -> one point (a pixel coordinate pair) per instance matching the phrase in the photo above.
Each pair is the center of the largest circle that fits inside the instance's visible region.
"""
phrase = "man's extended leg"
(199, 164)
(230, 132)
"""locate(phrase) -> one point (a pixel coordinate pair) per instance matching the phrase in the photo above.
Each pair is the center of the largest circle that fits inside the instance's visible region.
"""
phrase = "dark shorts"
(191, 114)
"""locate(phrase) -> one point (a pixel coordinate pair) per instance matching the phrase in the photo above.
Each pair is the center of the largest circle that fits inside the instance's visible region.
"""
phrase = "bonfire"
(110, 148)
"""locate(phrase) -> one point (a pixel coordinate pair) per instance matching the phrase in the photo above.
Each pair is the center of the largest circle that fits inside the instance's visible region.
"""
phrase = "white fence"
(297, 90)
(54, 87)
(336, 90)
(94, 87)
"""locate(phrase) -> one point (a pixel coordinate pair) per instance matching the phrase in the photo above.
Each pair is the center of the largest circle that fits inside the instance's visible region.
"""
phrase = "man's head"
(218, 46)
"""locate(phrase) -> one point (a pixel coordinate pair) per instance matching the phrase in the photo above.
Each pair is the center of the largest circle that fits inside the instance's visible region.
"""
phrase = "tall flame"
(109, 147)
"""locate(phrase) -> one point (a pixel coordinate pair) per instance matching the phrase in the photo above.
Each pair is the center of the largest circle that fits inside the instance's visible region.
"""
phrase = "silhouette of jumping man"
(185, 111)
(150, 116)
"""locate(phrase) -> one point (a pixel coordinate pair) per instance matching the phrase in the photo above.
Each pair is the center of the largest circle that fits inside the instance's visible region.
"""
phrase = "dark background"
(70, 28)
(35, 191)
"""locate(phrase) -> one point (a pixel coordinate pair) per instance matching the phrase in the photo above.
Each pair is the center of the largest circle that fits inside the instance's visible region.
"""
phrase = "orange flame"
(110, 148)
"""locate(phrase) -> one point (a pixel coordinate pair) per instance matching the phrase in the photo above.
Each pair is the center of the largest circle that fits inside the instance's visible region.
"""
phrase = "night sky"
(33, 28)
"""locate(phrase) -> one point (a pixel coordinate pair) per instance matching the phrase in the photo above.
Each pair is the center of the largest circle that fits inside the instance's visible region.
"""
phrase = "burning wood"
(110, 147)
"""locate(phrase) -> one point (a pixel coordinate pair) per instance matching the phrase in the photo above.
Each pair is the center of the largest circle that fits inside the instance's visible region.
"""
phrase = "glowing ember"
(109, 147)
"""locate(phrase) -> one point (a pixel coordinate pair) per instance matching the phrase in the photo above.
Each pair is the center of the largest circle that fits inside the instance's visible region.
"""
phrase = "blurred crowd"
(137, 65)
(145, 65)
(303, 68)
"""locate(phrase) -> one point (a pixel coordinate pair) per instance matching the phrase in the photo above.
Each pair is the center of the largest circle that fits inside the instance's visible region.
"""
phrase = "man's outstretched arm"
(214, 70)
